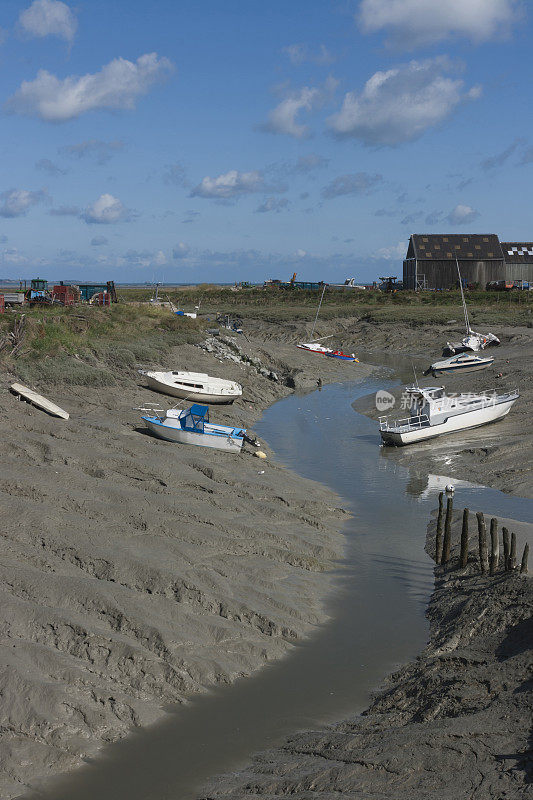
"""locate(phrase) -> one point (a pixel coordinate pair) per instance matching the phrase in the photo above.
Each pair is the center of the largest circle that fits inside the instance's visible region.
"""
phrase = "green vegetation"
(89, 346)
(277, 304)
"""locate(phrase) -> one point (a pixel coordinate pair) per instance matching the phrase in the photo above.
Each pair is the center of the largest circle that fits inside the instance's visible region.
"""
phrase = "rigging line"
(465, 312)
(318, 309)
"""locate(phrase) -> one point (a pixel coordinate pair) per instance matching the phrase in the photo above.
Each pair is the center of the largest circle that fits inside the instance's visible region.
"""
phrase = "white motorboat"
(464, 362)
(194, 386)
(472, 341)
(192, 426)
(434, 413)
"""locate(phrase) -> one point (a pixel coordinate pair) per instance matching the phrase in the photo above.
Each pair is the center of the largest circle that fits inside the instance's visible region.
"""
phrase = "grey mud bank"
(453, 724)
(136, 572)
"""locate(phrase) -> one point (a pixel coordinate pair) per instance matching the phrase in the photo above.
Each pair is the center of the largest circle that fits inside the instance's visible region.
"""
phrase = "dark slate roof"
(518, 252)
(449, 246)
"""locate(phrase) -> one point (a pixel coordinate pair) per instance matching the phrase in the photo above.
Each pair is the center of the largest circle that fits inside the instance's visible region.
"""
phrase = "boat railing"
(408, 423)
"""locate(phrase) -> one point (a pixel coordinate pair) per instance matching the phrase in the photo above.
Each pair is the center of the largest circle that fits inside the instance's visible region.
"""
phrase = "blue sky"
(207, 141)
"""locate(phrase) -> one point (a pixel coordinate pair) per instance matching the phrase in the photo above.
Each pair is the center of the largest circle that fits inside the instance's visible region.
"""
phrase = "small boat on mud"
(464, 362)
(342, 356)
(434, 413)
(195, 386)
(472, 341)
(192, 426)
(314, 347)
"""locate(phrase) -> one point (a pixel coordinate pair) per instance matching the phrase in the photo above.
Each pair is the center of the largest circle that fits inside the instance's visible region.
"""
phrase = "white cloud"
(144, 258)
(230, 184)
(420, 22)
(393, 252)
(356, 183)
(105, 211)
(181, 250)
(299, 53)
(283, 118)
(49, 18)
(12, 256)
(400, 104)
(462, 215)
(116, 86)
(17, 202)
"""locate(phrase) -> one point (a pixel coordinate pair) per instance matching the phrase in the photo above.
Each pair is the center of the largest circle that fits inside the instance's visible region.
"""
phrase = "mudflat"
(136, 572)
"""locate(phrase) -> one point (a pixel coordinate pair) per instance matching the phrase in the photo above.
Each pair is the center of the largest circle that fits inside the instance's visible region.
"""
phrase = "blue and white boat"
(464, 362)
(192, 426)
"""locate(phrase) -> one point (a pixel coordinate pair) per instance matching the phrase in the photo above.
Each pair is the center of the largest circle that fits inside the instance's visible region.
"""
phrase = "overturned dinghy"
(434, 413)
(464, 362)
(195, 386)
(192, 426)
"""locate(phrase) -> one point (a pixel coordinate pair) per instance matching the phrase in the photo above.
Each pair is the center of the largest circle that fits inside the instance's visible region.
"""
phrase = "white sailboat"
(313, 346)
(194, 386)
(472, 341)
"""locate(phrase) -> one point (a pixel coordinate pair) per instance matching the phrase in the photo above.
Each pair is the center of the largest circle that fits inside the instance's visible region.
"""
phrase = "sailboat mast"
(467, 322)
(318, 309)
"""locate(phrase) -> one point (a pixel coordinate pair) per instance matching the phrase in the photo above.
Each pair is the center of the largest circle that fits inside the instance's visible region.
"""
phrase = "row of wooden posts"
(488, 562)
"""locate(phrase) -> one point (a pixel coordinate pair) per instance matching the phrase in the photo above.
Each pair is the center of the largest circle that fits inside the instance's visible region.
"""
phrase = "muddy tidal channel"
(377, 613)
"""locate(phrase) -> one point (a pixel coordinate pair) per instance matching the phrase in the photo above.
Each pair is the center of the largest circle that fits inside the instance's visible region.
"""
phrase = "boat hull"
(223, 441)
(451, 370)
(194, 395)
(459, 422)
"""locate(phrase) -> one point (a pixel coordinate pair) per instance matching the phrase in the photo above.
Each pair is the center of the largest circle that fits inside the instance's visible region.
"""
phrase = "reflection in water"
(377, 616)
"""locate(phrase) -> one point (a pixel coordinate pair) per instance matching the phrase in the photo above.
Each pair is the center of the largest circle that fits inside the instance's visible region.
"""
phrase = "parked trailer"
(14, 298)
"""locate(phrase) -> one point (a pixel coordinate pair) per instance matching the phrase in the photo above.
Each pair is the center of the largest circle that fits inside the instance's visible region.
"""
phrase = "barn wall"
(443, 274)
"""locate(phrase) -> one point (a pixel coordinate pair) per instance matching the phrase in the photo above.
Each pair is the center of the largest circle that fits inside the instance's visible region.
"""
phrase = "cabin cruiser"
(195, 386)
(434, 413)
(464, 362)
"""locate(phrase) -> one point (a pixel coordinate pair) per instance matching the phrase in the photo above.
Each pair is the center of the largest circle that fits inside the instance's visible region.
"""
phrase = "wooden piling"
(523, 565)
(512, 556)
(447, 541)
(482, 540)
(494, 546)
(438, 534)
(506, 549)
(464, 539)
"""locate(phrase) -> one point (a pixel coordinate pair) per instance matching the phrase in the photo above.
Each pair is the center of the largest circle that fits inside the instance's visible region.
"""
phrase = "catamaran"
(434, 413)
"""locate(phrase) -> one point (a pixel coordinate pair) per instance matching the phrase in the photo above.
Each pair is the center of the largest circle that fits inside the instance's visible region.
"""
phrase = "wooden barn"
(431, 260)
(518, 261)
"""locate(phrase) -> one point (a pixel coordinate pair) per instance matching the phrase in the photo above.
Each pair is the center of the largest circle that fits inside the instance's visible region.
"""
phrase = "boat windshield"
(195, 418)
